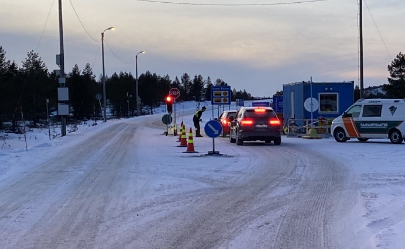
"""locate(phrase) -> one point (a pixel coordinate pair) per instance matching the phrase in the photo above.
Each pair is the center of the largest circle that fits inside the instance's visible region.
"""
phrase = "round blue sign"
(167, 119)
(213, 128)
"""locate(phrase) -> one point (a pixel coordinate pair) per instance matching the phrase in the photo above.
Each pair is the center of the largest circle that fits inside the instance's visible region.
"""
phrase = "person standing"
(196, 121)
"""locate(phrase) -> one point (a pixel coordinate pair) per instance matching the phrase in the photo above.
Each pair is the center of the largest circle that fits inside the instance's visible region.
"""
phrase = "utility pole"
(361, 46)
(104, 90)
(138, 101)
(63, 94)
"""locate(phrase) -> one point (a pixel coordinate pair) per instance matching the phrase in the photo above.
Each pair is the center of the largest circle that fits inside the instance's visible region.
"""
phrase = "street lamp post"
(104, 92)
(136, 88)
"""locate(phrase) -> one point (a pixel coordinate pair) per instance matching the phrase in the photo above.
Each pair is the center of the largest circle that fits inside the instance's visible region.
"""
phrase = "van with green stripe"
(371, 119)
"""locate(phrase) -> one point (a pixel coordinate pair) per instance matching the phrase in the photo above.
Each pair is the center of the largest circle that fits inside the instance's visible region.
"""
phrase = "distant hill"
(374, 91)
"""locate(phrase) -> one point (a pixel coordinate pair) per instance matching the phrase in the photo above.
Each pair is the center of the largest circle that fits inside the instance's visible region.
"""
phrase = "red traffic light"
(169, 104)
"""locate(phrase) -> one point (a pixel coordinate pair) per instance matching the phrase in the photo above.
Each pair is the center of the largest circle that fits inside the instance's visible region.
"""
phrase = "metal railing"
(302, 127)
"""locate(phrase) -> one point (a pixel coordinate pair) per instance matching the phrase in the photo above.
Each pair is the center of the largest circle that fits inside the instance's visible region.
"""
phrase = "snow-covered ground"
(377, 167)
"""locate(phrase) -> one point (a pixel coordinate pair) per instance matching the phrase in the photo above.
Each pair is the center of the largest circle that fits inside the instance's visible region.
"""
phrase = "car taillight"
(274, 121)
(225, 121)
(246, 122)
(260, 110)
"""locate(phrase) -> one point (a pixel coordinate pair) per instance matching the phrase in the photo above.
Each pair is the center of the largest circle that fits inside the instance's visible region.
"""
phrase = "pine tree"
(35, 87)
(207, 87)
(197, 87)
(4, 64)
(186, 86)
(396, 82)
(220, 82)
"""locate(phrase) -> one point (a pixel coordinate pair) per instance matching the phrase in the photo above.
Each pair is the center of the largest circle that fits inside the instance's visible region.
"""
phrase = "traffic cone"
(183, 142)
(181, 130)
(175, 130)
(190, 143)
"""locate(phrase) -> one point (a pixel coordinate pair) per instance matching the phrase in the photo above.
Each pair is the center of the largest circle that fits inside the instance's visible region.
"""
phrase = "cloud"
(259, 48)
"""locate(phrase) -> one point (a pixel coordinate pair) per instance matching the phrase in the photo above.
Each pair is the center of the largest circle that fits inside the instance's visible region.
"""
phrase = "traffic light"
(169, 104)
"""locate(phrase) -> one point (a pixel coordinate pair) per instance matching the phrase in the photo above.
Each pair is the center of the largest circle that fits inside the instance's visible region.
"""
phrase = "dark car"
(255, 123)
(225, 119)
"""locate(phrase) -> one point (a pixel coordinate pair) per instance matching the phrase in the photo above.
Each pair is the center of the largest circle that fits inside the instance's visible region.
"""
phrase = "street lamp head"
(141, 52)
(110, 28)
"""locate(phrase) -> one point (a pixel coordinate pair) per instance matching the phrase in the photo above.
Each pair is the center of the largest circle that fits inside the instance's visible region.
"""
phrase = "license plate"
(261, 125)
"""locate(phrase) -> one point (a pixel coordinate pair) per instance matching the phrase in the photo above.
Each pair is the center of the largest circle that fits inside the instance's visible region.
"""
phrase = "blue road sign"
(240, 102)
(261, 104)
(213, 128)
(167, 119)
(220, 95)
(278, 103)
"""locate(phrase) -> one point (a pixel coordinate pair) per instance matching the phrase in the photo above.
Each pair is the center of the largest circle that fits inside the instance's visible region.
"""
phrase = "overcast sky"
(254, 47)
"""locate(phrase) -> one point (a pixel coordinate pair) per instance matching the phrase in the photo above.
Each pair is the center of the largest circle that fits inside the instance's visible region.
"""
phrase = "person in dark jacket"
(196, 120)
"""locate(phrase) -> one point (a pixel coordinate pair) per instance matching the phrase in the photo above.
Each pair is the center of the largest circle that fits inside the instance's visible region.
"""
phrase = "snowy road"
(113, 191)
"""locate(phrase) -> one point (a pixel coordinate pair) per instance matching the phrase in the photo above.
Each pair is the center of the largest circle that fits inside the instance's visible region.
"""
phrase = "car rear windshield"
(255, 114)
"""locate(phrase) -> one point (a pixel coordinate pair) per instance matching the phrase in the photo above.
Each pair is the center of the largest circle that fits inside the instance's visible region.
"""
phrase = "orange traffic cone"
(181, 130)
(175, 130)
(183, 141)
(190, 144)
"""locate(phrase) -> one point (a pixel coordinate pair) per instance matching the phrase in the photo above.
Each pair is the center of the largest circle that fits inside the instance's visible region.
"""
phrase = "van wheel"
(396, 137)
(362, 139)
(340, 135)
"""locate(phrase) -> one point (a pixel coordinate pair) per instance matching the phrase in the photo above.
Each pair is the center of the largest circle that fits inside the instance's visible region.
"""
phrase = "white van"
(371, 118)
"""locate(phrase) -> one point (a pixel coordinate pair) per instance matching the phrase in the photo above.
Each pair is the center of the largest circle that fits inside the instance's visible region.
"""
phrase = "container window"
(328, 103)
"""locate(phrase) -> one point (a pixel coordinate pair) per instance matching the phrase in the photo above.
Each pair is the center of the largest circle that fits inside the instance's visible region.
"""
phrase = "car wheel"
(396, 137)
(231, 139)
(340, 135)
(277, 141)
(238, 140)
(362, 139)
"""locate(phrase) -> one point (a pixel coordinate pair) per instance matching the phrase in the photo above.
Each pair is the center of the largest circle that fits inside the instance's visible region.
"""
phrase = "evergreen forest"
(30, 91)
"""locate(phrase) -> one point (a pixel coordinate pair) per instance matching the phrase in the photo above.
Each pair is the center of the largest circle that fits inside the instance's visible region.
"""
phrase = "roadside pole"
(174, 114)
(47, 118)
(174, 93)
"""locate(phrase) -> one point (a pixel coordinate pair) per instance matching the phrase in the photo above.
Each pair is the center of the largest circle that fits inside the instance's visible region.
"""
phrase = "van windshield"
(354, 111)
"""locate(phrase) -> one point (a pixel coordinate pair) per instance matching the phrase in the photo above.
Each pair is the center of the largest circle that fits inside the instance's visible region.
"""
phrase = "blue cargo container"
(329, 100)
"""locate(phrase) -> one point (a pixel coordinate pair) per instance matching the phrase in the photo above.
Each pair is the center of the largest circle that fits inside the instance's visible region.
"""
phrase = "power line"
(378, 29)
(82, 22)
(117, 56)
(46, 22)
(96, 39)
(96, 56)
(230, 5)
(36, 50)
